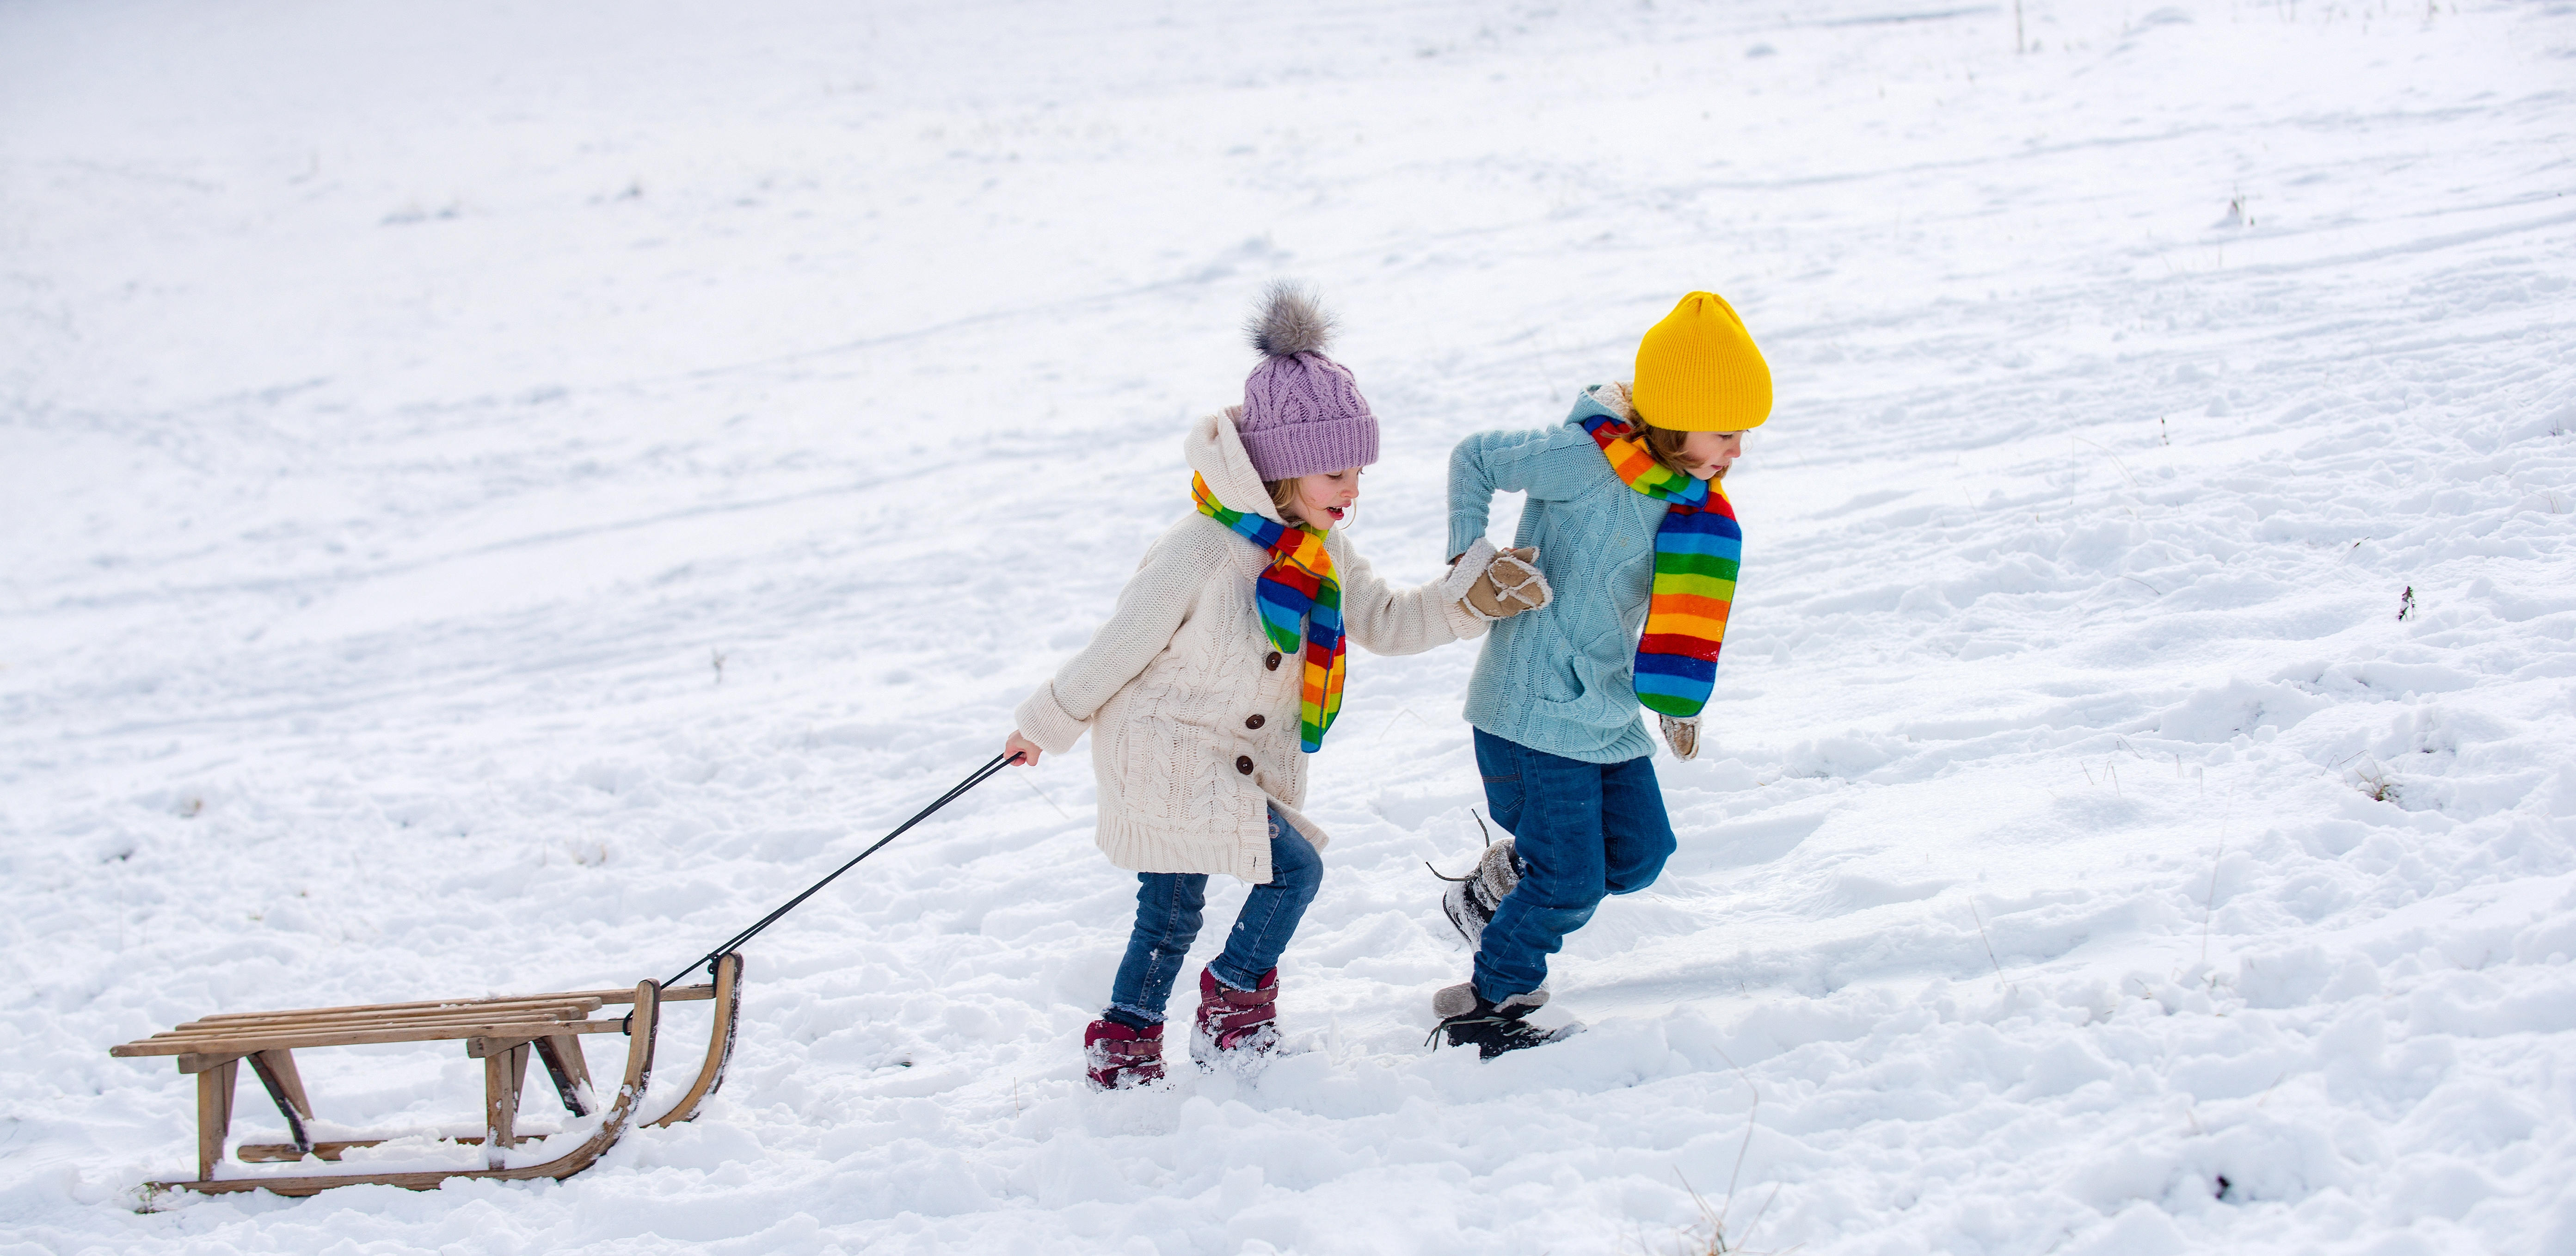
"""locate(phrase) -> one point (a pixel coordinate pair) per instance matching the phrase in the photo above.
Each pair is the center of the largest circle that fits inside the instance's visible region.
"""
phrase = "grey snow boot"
(1470, 900)
(1492, 1028)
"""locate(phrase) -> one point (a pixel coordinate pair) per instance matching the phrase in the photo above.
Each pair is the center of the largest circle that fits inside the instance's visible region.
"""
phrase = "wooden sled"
(502, 1033)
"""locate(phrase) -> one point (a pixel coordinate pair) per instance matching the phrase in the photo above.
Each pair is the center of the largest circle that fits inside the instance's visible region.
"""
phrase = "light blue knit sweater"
(1559, 679)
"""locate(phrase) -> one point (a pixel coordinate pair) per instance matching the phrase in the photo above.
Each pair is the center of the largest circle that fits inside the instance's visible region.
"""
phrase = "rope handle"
(973, 779)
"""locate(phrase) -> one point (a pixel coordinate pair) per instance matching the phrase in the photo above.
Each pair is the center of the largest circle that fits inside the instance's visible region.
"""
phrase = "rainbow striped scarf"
(1299, 601)
(1696, 552)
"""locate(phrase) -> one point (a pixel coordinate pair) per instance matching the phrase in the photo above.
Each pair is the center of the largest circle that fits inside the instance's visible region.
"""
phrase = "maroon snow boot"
(1237, 1029)
(1122, 1057)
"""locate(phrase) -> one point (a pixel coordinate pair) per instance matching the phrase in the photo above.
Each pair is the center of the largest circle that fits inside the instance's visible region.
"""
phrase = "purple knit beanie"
(1302, 411)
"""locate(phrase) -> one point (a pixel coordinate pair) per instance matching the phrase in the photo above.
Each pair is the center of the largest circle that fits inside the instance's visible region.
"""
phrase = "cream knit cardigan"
(1193, 715)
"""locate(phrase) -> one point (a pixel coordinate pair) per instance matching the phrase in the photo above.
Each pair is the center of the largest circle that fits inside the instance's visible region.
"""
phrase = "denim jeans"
(1168, 906)
(1580, 831)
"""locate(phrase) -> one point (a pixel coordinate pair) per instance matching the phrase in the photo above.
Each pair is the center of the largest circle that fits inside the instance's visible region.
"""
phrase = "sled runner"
(501, 1032)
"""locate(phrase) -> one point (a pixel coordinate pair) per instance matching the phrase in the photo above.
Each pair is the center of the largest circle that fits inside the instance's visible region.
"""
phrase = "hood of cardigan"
(1215, 450)
(1599, 399)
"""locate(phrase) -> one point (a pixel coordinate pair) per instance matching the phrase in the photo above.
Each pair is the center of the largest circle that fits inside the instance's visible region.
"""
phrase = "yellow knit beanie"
(1698, 370)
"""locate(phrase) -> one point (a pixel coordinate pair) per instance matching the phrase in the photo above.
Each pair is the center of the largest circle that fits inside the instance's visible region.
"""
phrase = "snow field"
(500, 499)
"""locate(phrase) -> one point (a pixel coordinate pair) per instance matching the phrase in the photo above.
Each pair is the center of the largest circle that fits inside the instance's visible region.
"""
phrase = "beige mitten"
(1510, 584)
(1682, 736)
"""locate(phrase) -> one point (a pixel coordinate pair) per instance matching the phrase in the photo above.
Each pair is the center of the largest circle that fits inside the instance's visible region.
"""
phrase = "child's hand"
(1682, 736)
(1510, 584)
(1023, 751)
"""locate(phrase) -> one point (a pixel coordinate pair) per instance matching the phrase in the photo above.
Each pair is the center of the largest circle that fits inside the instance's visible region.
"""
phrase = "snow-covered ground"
(496, 496)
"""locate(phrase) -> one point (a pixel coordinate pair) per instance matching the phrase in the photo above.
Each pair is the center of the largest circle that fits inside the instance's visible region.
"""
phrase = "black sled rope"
(977, 777)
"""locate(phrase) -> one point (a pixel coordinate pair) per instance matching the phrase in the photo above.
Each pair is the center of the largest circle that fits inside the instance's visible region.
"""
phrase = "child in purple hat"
(1220, 670)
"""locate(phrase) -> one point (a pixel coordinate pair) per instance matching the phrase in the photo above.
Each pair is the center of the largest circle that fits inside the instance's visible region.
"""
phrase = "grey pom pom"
(1290, 321)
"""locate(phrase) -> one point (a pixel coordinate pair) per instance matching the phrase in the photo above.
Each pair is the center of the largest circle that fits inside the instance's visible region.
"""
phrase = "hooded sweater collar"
(1215, 450)
(1600, 399)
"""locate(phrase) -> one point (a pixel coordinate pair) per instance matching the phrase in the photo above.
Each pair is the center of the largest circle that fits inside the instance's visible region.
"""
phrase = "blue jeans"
(1168, 906)
(1580, 831)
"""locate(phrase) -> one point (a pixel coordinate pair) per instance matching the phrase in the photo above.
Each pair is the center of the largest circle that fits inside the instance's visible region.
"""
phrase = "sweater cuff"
(1463, 532)
(1044, 720)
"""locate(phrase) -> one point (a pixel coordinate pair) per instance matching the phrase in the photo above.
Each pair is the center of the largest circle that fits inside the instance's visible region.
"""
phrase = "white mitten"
(1511, 583)
(1682, 736)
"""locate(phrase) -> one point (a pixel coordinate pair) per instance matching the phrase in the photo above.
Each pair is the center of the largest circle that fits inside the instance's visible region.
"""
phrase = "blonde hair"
(1283, 496)
(1664, 445)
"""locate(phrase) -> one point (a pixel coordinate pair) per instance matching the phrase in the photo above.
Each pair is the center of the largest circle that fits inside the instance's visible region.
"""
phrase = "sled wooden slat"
(680, 994)
(401, 1009)
(289, 1029)
(505, 1033)
(677, 994)
(488, 1011)
(533, 1011)
(245, 1043)
(353, 1024)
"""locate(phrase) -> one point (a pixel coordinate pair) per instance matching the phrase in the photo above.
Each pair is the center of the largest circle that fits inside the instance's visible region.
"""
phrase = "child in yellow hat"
(1639, 544)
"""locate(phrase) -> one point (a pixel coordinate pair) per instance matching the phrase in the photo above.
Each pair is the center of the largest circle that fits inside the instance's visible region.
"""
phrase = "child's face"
(1326, 496)
(1707, 455)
